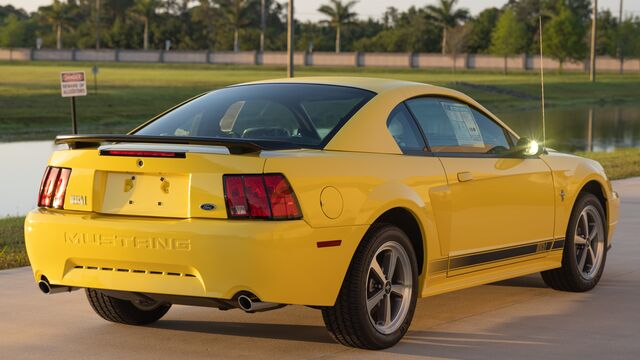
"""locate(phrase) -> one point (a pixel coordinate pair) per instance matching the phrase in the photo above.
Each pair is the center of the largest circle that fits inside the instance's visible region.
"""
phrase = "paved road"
(519, 318)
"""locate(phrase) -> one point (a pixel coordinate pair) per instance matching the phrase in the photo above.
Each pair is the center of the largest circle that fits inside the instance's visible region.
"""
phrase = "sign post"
(95, 71)
(72, 84)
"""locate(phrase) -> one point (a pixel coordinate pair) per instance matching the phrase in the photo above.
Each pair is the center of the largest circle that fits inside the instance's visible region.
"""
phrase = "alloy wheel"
(389, 287)
(589, 242)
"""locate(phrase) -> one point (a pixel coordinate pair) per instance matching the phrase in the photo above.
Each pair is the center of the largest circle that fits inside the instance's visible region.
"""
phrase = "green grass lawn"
(128, 94)
(619, 164)
(12, 250)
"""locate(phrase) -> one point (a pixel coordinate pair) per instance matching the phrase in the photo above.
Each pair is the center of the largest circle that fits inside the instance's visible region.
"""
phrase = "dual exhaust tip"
(245, 301)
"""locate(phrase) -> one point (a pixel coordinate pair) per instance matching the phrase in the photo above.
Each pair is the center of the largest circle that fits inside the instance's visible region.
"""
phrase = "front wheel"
(585, 248)
(378, 297)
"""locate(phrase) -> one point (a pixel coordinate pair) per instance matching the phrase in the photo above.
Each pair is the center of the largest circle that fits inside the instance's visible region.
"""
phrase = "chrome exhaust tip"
(252, 304)
(245, 303)
(44, 287)
(49, 289)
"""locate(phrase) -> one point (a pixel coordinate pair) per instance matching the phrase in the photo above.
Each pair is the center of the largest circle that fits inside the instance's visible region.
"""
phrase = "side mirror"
(528, 147)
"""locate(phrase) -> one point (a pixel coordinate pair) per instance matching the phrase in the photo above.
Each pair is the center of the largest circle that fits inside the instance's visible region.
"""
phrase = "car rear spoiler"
(235, 146)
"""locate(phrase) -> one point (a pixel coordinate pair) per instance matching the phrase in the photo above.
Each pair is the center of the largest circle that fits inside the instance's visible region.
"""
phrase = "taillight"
(284, 204)
(266, 196)
(53, 187)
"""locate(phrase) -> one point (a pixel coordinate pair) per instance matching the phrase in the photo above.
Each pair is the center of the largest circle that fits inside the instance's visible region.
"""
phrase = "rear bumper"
(278, 261)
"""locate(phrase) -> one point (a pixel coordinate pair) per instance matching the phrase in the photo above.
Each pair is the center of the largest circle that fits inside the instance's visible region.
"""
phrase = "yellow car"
(354, 196)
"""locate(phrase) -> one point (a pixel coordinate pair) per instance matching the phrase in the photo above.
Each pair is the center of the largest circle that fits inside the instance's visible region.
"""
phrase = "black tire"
(348, 320)
(569, 277)
(123, 311)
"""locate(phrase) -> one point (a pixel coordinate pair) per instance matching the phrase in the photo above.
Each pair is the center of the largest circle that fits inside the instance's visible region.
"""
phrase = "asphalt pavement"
(514, 319)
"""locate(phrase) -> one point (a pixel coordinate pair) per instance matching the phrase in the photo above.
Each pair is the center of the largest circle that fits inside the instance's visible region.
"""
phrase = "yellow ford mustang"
(355, 196)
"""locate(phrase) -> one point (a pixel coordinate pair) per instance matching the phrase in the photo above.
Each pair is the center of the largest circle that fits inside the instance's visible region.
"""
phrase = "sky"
(307, 9)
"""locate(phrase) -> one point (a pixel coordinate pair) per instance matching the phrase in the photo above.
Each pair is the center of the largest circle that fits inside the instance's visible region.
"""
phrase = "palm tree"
(205, 13)
(446, 17)
(237, 14)
(145, 10)
(339, 14)
(57, 16)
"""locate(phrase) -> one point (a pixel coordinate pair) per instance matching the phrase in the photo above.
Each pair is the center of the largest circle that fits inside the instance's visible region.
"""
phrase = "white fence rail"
(345, 59)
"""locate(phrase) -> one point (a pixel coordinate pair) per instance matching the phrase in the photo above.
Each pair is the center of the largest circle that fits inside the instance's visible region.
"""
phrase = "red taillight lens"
(256, 196)
(46, 195)
(284, 204)
(236, 199)
(61, 188)
(260, 197)
(53, 187)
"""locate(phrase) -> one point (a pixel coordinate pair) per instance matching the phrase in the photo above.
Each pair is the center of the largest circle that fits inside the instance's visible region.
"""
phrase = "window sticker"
(464, 124)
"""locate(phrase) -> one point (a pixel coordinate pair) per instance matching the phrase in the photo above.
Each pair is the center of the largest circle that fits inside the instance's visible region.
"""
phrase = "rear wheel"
(124, 311)
(378, 298)
(585, 248)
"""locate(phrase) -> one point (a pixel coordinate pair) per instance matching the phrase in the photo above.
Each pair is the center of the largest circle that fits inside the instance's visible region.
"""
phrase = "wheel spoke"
(393, 261)
(378, 270)
(583, 259)
(374, 300)
(592, 256)
(585, 225)
(579, 240)
(387, 309)
(399, 290)
(593, 234)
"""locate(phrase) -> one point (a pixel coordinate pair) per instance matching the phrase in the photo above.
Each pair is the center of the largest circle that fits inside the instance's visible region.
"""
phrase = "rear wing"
(235, 146)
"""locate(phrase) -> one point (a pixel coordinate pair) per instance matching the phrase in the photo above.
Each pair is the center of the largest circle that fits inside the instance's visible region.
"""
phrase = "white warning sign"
(72, 83)
(464, 124)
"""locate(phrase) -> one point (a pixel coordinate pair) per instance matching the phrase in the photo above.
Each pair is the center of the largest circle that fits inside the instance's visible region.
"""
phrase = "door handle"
(465, 176)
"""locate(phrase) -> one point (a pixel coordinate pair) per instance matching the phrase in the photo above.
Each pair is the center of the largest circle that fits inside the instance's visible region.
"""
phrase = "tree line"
(234, 25)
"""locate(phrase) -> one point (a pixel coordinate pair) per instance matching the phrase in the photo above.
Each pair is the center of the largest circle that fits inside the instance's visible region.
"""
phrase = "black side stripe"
(463, 261)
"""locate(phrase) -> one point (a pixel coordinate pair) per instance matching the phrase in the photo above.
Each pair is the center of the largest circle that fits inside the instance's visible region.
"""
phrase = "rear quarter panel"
(369, 184)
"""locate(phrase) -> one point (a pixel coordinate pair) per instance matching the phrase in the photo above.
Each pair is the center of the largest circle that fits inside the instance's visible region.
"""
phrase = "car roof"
(368, 120)
(377, 85)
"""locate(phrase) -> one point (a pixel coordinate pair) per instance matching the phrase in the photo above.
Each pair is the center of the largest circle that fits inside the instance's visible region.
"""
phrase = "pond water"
(22, 164)
(573, 129)
(580, 129)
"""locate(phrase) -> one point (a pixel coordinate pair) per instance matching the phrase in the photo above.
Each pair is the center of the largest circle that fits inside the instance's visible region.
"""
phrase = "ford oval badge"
(207, 207)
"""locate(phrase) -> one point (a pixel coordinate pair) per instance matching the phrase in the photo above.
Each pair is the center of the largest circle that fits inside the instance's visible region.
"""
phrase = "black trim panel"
(498, 255)
(486, 257)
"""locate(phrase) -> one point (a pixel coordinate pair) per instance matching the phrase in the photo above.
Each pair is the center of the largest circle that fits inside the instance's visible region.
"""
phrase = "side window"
(455, 127)
(404, 130)
(493, 135)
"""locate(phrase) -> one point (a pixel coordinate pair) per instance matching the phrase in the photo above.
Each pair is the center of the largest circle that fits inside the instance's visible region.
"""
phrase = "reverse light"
(267, 196)
(53, 187)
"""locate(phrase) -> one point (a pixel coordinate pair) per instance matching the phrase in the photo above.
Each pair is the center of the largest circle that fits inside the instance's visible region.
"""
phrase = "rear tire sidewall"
(378, 239)
(569, 256)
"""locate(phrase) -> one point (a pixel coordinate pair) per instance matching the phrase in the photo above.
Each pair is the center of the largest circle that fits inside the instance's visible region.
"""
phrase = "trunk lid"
(159, 180)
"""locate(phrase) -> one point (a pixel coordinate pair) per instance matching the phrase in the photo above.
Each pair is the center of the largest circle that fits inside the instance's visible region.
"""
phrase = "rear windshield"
(305, 115)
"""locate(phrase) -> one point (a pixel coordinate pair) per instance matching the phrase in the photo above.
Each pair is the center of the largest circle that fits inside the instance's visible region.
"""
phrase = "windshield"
(304, 115)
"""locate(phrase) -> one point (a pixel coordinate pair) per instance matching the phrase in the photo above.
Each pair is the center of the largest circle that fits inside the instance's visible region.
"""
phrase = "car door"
(500, 206)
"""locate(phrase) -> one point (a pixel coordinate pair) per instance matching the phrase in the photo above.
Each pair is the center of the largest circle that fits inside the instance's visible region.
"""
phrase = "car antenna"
(544, 132)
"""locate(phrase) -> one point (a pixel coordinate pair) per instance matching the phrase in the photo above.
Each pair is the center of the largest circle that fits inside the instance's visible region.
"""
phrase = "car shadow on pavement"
(306, 333)
(529, 281)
